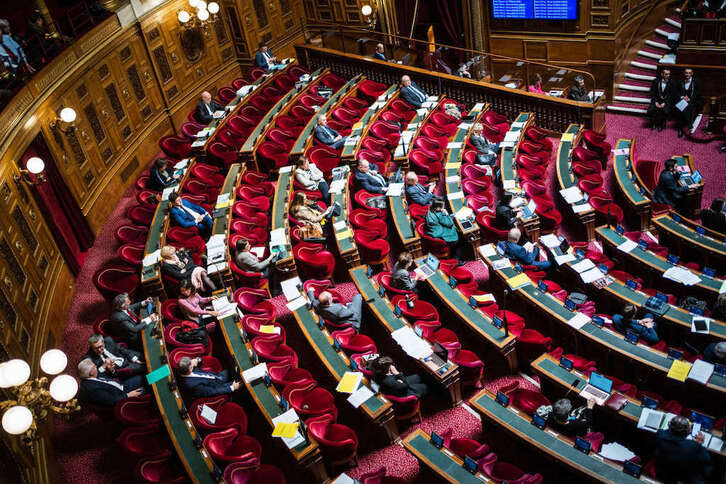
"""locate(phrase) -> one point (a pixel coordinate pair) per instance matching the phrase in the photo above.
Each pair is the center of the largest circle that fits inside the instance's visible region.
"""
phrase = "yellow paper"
(224, 204)
(568, 137)
(285, 429)
(357, 125)
(348, 382)
(679, 370)
(345, 234)
(453, 165)
(518, 281)
(483, 297)
(267, 328)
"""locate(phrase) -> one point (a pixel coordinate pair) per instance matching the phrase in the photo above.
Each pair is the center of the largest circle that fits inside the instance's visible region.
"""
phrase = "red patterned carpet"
(85, 446)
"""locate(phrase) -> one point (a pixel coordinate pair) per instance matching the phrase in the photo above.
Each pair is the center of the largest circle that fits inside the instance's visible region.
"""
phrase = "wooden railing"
(552, 113)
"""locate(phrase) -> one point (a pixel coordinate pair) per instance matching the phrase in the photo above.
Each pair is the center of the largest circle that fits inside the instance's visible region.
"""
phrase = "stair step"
(634, 85)
(674, 20)
(640, 74)
(645, 63)
(664, 30)
(627, 108)
(632, 97)
(650, 54)
(658, 42)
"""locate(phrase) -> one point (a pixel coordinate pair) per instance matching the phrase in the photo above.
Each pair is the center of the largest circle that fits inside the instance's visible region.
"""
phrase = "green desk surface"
(659, 263)
(333, 360)
(567, 179)
(249, 145)
(299, 146)
(474, 318)
(181, 435)
(279, 204)
(401, 219)
(266, 400)
(230, 182)
(346, 244)
(455, 156)
(447, 466)
(689, 235)
(370, 295)
(349, 150)
(626, 178)
(507, 158)
(562, 450)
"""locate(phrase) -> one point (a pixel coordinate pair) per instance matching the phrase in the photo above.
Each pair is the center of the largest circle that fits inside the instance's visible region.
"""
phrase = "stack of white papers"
(340, 225)
(214, 268)
(627, 246)
(550, 240)
(244, 90)
(394, 190)
(277, 238)
(517, 125)
(255, 373)
(296, 304)
(508, 184)
(152, 258)
(285, 169)
(453, 179)
(591, 275)
(572, 194)
(337, 186)
(583, 265)
(290, 288)
(464, 213)
(564, 258)
(616, 452)
(432, 99)
(216, 240)
(701, 371)
(488, 250)
(208, 414)
(651, 420)
(360, 396)
(454, 145)
(464, 126)
(581, 207)
(216, 254)
(289, 417)
(578, 320)
(167, 191)
(198, 143)
(223, 307)
(422, 112)
(411, 343)
(182, 164)
(512, 136)
(500, 264)
(682, 275)
(222, 199)
(455, 196)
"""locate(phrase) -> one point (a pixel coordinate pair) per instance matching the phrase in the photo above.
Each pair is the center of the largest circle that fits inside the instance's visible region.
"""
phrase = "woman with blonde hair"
(309, 214)
(178, 265)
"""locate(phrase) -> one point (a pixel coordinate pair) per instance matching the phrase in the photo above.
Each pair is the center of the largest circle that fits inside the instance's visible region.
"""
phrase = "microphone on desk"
(504, 313)
(572, 386)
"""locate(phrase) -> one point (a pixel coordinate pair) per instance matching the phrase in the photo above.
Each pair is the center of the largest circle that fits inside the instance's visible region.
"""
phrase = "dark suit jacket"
(125, 327)
(419, 194)
(680, 460)
(176, 272)
(504, 216)
(379, 56)
(576, 427)
(335, 313)
(100, 393)
(115, 349)
(202, 115)
(411, 97)
(709, 353)
(693, 92)
(667, 95)
(325, 134)
(578, 93)
(158, 182)
(201, 387)
(668, 190)
(714, 220)
(261, 60)
(481, 144)
(401, 386)
(370, 183)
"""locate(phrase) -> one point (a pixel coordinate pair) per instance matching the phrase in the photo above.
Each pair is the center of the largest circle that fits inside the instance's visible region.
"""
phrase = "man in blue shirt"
(644, 327)
(513, 250)
(264, 58)
(418, 193)
(411, 93)
(380, 53)
(11, 54)
(327, 135)
(187, 214)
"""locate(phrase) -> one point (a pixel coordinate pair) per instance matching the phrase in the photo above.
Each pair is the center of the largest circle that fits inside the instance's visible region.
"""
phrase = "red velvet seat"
(387, 132)
(444, 122)
(463, 447)
(243, 473)
(596, 142)
(648, 171)
(499, 471)
(538, 135)
(137, 411)
(226, 94)
(314, 261)
(131, 234)
(144, 441)
(271, 348)
(447, 339)
(403, 109)
(115, 279)
(223, 152)
(255, 73)
(229, 414)
(607, 208)
(426, 162)
(371, 89)
(338, 443)
(477, 187)
(355, 104)
(309, 399)
(197, 187)
(255, 301)
(141, 214)
(438, 247)
(209, 363)
(283, 373)
(373, 249)
(332, 81)
(368, 220)
(172, 330)
(190, 130)
(580, 153)
(406, 408)
(231, 445)
(379, 476)
(420, 310)
(187, 237)
(489, 232)
(531, 343)
(384, 279)
(535, 150)
(252, 325)
(176, 147)
(345, 115)
(392, 117)
(378, 158)
(131, 254)
(207, 174)
(471, 368)
(302, 113)
(282, 137)
(272, 156)
(254, 280)
(248, 194)
(162, 469)
(352, 342)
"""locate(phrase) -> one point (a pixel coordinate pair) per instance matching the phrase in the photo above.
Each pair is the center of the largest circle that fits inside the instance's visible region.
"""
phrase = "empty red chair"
(494, 118)
(352, 342)
(374, 145)
(371, 89)
(309, 399)
(230, 137)
(596, 142)
(290, 124)
(338, 443)
(226, 94)
(131, 234)
(425, 162)
(493, 134)
(475, 172)
(478, 186)
(355, 104)
(255, 73)
(238, 83)
(332, 81)
(392, 117)
(581, 153)
(606, 207)
(115, 279)
(254, 301)
(648, 171)
(137, 411)
(310, 100)
(197, 187)
(262, 103)
(314, 260)
(406, 408)
(243, 473)
(445, 123)
(590, 184)
(499, 471)
(373, 249)
(538, 135)
(223, 152)
(273, 349)
(242, 125)
(144, 441)
(531, 343)
(489, 231)
(272, 155)
(464, 447)
(447, 339)
(403, 109)
(162, 469)
(132, 254)
(190, 129)
(207, 174)
(301, 112)
(231, 445)
(283, 373)
(283, 83)
(229, 414)
(387, 132)
(141, 214)
(368, 220)
(176, 147)
(252, 325)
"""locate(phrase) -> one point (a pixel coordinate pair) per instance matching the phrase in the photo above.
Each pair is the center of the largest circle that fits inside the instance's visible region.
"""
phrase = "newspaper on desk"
(217, 240)
(223, 201)
(394, 190)
(360, 396)
(224, 307)
(285, 169)
(153, 258)
(337, 186)
(411, 343)
(291, 288)
(572, 194)
(289, 417)
(591, 275)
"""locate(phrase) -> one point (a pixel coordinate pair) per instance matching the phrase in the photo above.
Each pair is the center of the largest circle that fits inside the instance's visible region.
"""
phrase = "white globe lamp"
(184, 17)
(53, 361)
(63, 388)
(68, 115)
(14, 373)
(17, 420)
(366, 10)
(203, 15)
(35, 165)
(213, 7)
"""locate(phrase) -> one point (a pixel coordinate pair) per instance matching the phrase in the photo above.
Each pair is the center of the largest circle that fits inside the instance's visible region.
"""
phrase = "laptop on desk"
(598, 389)
(430, 266)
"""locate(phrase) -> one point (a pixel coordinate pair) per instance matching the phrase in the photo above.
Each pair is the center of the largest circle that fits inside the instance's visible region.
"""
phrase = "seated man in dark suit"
(264, 58)
(401, 273)
(380, 53)
(109, 357)
(392, 382)
(102, 390)
(201, 384)
(125, 319)
(206, 108)
(505, 216)
(678, 459)
(668, 190)
(187, 214)
(336, 312)
(367, 176)
(411, 93)
(418, 193)
(518, 253)
(662, 92)
(573, 423)
(578, 92)
(486, 152)
(715, 353)
(689, 90)
(327, 135)
(714, 217)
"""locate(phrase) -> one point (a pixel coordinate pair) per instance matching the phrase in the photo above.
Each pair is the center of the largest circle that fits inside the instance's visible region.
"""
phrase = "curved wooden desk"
(344, 241)
(630, 184)
(566, 178)
(360, 128)
(280, 220)
(687, 241)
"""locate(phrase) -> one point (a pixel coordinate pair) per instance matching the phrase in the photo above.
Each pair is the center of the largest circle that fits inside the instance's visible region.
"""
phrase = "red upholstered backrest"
(648, 171)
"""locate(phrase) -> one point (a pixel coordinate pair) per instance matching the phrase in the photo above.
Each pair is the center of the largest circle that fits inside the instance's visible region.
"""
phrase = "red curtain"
(450, 14)
(404, 13)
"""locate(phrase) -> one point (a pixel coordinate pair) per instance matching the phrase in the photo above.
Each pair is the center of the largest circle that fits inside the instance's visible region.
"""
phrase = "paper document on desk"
(198, 143)
(216, 254)
(500, 264)
(550, 240)
(616, 452)
(464, 126)
(701, 371)
(464, 213)
(699, 324)
(572, 194)
(223, 201)
(340, 225)
(277, 237)
(578, 320)
(627, 246)
(360, 396)
(583, 265)
(182, 164)
(432, 99)
(621, 151)
(394, 190)
(650, 420)
(337, 186)
(591, 275)
(422, 112)
(581, 207)
(152, 258)
(512, 136)
(285, 169)
(289, 417)
(455, 196)
(454, 145)
(679, 370)
(291, 288)
(297, 303)
(487, 250)
(453, 179)
(168, 191)
(568, 137)
(350, 381)
(411, 343)
(216, 240)
(253, 374)
(508, 184)
(564, 258)
(259, 251)
(682, 275)
(214, 268)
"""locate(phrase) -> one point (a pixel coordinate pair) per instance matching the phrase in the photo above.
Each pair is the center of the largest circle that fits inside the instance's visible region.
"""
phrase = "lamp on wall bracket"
(32, 174)
(201, 14)
(32, 400)
(64, 120)
(369, 13)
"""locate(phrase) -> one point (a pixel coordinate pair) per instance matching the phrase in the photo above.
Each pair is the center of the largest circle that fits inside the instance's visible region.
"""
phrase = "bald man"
(380, 53)
(337, 313)
(206, 108)
(368, 178)
(411, 93)
(514, 251)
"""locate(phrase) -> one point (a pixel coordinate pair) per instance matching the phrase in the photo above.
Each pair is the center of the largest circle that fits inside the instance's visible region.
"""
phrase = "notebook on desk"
(598, 389)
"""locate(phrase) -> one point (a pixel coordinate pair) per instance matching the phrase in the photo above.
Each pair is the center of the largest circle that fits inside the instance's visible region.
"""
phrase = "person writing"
(668, 190)
(411, 93)
(394, 383)
(311, 178)
(513, 250)
(187, 214)
(327, 135)
(206, 107)
(645, 327)
(161, 176)
(678, 459)
(367, 176)
(179, 265)
(416, 192)
(440, 225)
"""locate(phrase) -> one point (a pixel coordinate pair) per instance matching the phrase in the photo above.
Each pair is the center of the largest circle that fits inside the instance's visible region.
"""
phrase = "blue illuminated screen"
(535, 9)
